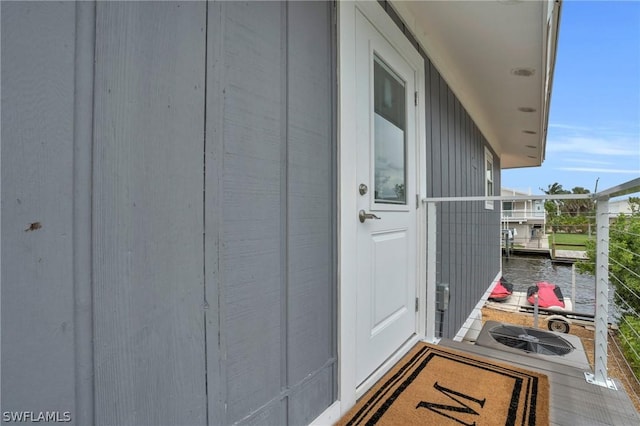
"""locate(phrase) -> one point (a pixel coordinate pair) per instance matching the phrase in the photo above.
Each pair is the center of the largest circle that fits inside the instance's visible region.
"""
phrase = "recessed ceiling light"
(529, 132)
(527, 109)
(531, 146)
(523, 72)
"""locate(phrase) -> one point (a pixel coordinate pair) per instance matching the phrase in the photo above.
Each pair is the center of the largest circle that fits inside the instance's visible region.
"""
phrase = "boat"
(502, 291)
(549, 295)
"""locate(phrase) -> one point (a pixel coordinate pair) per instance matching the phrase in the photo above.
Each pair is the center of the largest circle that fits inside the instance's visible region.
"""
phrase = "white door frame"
(347, 219)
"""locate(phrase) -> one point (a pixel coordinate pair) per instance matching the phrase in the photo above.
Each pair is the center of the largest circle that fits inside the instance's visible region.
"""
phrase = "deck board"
(573, 400)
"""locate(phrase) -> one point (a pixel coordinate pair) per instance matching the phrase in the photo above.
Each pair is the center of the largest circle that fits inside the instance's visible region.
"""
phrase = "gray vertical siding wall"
(468, 252)
(468, 256)
(37, 211)
(177, 163)
(147, 213)
(270, 209)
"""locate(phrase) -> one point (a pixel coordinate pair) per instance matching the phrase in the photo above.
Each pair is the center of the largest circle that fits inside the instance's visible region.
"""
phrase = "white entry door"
(386, 199)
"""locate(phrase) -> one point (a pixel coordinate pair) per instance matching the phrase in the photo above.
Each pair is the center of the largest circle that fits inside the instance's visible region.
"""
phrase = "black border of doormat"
(399, 382)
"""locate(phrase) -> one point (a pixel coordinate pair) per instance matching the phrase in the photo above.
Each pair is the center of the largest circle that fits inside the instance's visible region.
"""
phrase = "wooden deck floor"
(573, 400)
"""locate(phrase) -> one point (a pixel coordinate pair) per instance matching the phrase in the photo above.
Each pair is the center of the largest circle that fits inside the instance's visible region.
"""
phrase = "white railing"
(602, 269)
(522, 214)
(603, 276)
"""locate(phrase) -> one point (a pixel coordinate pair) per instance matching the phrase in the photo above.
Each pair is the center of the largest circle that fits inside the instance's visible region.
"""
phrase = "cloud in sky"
(568, 127)
(613, 150)
(619, 128)
(594, 145)
(597, 170)
(586, 161)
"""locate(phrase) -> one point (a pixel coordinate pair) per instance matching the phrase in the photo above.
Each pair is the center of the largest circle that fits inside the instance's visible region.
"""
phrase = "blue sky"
(594, 122)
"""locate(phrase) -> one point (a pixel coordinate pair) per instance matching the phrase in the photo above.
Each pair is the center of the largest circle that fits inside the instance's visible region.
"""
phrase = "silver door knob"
(362, 215)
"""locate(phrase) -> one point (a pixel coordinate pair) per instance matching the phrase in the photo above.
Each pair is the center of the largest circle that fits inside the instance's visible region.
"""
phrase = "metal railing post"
(573, 285)
(602, 290)
(602, 294)
(432, 234)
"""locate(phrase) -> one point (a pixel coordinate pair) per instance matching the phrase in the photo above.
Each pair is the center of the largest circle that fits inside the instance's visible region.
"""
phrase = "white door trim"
(347, 221)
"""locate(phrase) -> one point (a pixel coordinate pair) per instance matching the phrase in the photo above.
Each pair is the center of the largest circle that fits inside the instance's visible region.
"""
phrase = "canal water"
(525, 271)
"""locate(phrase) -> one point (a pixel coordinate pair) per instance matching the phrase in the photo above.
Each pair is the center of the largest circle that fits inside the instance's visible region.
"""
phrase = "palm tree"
(579, 207)
(554, 189)
(553, 207)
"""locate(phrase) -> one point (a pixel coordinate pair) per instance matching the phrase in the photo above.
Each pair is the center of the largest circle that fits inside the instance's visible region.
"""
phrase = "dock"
(559, 256)
(542, 247)
(568, 256)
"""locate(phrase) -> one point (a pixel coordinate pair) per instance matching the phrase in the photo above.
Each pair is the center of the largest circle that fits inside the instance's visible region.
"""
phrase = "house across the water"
(523, 220)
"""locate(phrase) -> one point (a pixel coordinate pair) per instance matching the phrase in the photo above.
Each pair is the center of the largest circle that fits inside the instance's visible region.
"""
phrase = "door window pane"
(389, 135)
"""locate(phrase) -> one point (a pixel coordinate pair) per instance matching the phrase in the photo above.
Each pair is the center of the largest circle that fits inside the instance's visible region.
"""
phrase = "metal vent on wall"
(532, 342)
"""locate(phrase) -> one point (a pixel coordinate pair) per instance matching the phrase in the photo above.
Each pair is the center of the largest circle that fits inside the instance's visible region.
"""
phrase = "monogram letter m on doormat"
(436, 386)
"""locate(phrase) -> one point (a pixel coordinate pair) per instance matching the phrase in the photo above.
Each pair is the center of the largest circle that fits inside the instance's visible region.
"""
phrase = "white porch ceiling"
(477, 46)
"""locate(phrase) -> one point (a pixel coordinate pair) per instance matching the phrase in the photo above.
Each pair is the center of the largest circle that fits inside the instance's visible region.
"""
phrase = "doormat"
(432, 385)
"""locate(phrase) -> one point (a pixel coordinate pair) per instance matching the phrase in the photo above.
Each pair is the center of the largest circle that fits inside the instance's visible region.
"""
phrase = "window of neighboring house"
(538, 209)
(488, 188)
(507, 209)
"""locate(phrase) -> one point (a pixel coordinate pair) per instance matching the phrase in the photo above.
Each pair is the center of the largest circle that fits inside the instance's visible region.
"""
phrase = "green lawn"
(574, 241)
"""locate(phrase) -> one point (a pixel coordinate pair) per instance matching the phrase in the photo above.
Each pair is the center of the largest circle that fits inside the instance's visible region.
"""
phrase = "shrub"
(630, 342)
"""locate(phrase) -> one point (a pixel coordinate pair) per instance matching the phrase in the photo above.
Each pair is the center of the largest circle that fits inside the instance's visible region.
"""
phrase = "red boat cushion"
(499, 291)
(549, 295)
